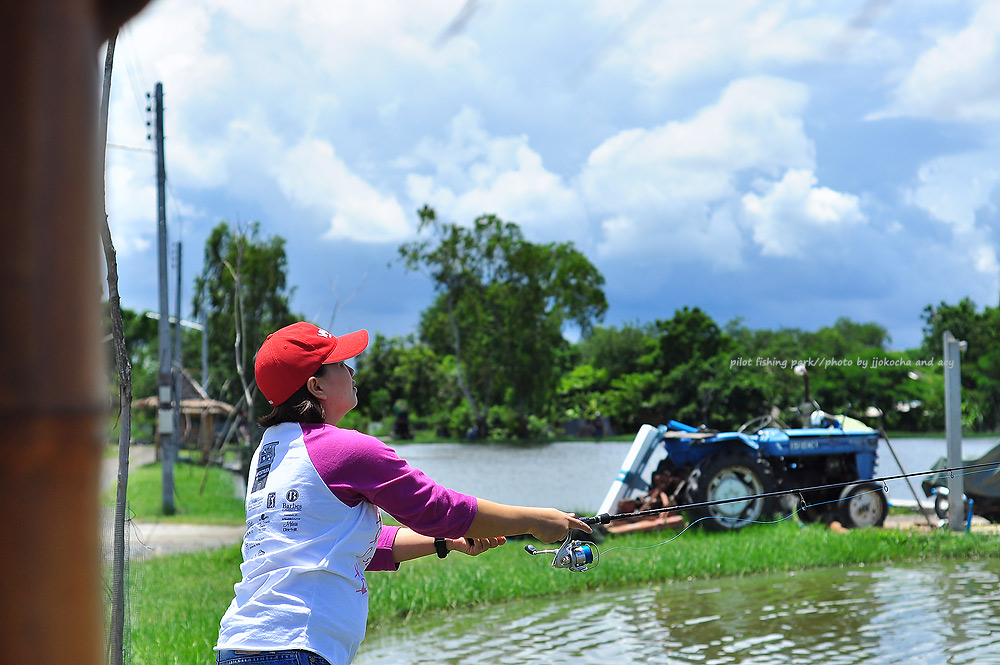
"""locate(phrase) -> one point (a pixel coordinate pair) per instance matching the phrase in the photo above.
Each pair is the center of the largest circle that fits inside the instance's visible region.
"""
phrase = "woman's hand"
(473, 546)
(553, 525)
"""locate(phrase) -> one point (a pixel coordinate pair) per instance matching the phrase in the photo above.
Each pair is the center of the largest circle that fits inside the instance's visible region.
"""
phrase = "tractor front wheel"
(863, 505)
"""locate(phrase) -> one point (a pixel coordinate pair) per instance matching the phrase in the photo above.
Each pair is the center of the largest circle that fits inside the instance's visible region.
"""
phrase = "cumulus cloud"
(472, 173)
(956, 190)
(953, 188)
(131, 202)
(677, 184)
(956, 78)
(669, 44)
(793, 214)
(312, 175)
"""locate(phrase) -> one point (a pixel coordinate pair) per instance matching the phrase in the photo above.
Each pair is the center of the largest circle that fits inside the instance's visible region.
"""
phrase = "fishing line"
(606, 518)
(802, 506)
(580, 556)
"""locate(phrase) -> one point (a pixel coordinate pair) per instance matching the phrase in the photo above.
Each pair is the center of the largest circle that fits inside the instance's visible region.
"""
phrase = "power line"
(135, 77)
(129, 147)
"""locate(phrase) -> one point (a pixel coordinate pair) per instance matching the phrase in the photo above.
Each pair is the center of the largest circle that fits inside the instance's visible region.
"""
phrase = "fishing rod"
(579, 556)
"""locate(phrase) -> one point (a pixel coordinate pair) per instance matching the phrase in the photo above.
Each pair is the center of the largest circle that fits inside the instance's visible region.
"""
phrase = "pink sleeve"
(357, 467)
(383, 559)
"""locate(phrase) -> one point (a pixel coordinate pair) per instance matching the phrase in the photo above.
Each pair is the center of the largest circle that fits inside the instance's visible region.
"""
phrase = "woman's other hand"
(474, 546)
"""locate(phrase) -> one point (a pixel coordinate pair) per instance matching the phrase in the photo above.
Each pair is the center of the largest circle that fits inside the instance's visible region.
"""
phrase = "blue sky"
(785, 163)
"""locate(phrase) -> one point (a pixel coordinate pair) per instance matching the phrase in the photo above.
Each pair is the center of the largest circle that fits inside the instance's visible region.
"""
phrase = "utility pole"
(177, 364)
(165, 416)
(204, 352)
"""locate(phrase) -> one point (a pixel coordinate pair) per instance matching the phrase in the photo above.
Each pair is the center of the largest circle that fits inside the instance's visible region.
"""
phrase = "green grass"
(178, 600)
(217, 503)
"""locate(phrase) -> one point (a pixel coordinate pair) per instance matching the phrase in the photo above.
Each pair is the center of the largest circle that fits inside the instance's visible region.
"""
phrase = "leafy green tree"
(580, 393)
(637, 398)
(619, 351)
(243, 294)
(980, 362)
(692, 352)
(397, 373)
(500, 310)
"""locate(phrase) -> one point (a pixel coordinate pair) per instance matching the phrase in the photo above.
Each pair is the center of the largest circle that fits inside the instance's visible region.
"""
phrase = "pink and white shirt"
(314, 528)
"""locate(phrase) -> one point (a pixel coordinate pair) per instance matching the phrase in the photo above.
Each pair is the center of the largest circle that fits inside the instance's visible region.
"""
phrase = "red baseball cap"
(288, 357)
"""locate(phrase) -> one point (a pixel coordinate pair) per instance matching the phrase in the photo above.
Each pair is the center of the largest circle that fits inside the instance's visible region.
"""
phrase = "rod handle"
(603, 518)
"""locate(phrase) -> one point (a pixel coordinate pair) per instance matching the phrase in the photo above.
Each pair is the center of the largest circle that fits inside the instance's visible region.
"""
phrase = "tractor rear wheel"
(730, 474)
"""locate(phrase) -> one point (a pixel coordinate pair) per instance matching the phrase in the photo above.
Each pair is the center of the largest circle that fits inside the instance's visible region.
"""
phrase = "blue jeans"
(286, 657)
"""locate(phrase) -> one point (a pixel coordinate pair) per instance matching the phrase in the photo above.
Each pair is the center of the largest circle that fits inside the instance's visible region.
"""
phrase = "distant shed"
(199, 414)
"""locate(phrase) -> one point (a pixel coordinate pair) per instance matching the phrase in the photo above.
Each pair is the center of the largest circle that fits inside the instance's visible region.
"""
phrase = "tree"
(619, 351)
(398, 371)
(500, 310)
(980, 362)
(693, 352)
(243, 296)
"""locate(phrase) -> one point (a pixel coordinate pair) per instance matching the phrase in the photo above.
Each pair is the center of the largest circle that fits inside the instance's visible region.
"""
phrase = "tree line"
(490, 359)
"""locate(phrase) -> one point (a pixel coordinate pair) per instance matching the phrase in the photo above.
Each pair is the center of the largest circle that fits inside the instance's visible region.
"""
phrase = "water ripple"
(932, 614)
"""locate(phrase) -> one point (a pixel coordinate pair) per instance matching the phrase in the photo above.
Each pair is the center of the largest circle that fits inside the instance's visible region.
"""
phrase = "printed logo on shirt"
(267, 456)
(271, 499)
(291, 496)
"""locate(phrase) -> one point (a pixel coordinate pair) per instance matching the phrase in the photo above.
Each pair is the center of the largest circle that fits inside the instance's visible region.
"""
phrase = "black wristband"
(441, 547)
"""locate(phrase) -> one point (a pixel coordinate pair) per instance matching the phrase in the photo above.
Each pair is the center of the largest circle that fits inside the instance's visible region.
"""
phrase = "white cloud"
(756, 124)
(956, 79)
(474, 173)
(667, 44)
(131, 202)
(676, 184)
(955, 190)
(793, 214)
(311, 175)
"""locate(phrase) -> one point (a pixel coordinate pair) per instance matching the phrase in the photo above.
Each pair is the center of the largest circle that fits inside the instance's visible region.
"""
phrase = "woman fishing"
(314, 496)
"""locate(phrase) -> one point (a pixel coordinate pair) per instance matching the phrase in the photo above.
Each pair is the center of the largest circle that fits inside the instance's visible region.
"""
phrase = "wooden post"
(53, 400)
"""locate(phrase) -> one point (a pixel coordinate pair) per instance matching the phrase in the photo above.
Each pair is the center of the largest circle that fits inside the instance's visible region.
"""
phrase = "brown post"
(53, 394)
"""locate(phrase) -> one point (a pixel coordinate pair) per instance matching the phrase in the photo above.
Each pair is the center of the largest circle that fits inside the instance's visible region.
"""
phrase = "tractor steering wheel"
(755, 424)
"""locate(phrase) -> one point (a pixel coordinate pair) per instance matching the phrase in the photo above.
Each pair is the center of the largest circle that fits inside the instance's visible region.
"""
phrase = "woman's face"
(337, 390)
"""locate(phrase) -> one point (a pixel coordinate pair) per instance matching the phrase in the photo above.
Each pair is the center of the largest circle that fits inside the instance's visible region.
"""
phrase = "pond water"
(934, 613)
(931, 613)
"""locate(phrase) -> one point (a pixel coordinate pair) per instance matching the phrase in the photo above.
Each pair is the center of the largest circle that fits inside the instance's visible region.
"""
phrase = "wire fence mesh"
(130, 584)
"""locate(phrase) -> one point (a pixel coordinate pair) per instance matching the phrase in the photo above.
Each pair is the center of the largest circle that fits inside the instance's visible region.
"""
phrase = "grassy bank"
(198, 498)
(178, 600)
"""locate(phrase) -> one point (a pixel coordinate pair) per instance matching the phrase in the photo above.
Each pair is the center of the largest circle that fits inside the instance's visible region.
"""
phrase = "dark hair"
(301, 407)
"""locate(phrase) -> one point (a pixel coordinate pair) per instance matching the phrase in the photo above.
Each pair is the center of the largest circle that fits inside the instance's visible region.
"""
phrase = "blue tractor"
(760, 457)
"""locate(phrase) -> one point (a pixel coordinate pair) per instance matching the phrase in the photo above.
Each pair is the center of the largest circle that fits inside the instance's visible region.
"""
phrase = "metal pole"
(165, 418)
(953, 428)
(204, 353)
(177, 362)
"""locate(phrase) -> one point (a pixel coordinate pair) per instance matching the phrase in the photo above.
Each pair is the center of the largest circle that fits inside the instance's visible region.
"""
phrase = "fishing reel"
(576, 555)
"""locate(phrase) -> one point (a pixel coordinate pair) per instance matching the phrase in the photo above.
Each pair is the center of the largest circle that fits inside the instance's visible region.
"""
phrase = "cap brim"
(348, 346)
